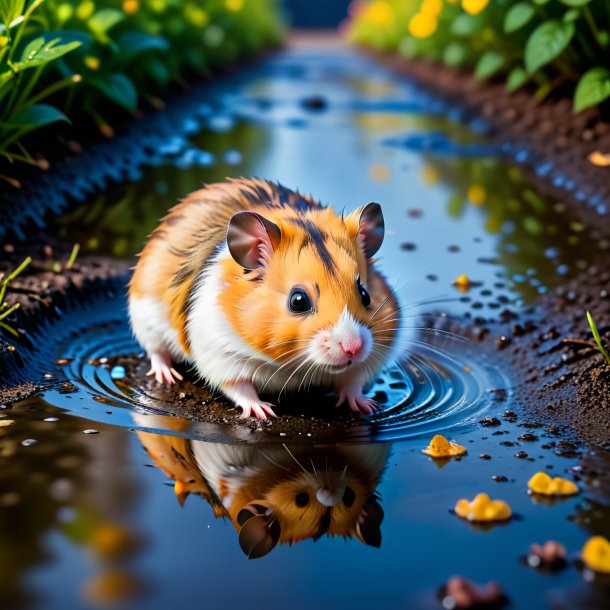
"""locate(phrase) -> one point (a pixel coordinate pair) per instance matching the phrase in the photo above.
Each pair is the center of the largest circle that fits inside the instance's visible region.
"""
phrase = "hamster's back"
(179, 247)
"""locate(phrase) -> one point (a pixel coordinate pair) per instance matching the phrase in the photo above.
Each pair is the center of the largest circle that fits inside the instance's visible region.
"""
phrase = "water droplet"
(29, 442)
(91, 431)
(51, 419)
(117, 372)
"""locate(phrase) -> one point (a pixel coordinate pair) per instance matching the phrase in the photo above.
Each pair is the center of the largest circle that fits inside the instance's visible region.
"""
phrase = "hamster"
(278, 493)
(263, 290)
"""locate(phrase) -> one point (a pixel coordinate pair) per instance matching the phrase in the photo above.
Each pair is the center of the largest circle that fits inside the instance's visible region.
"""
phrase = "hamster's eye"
(299, 301)
(364, 295)
(348, 497)
(302, 500)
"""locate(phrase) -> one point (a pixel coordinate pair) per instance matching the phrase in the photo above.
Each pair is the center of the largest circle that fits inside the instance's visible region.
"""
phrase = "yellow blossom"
(4, 40)
(131, 6)
(476, 194)
(474, 7)
(422, 25)
(462, 283)
(379, 13)
(483, 508)
(440, 447)
(596, 554)
(85, 10)
(93, 63)
(234, 5)
(542, 483)
(431, 7)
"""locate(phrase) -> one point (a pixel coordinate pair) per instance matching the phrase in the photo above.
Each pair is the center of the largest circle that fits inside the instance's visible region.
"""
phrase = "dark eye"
(364, 295)
(298, 301)
(302, 500)
(348, 497)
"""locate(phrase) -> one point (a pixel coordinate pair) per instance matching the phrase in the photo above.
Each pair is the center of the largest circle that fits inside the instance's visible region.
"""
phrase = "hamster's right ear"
(251, 239)
(368, 527)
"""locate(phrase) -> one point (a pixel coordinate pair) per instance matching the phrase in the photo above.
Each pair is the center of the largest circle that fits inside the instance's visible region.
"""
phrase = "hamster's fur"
(263, 290)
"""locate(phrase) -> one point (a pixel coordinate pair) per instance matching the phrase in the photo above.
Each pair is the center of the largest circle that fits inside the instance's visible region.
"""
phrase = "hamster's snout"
(342, 345)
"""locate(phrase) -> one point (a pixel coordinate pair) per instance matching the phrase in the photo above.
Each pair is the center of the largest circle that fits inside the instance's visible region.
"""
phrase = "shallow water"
(89, 518)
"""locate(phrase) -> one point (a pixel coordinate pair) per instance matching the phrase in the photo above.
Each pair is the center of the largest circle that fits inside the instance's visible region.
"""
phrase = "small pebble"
(485, 456)
(91, 431)
(29, 442)
(499, 478)
(51, 419)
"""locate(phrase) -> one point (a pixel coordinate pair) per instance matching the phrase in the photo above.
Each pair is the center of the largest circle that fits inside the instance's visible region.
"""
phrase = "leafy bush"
(550, 44)
(121, 52)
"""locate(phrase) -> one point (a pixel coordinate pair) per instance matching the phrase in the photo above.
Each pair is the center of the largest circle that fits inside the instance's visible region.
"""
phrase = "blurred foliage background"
(88, 60)
(553, 45)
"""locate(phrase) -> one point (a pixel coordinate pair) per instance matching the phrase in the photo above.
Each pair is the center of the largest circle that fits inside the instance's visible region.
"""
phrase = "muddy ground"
(561, 378)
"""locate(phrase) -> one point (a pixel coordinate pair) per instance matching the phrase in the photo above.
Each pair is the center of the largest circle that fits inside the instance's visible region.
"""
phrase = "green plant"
(550, 45)
(23, 61)
(5, 309)
(603, 351)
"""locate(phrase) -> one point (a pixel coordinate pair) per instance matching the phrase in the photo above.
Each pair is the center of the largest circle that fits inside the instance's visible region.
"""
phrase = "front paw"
(259, 409)
(356, 400)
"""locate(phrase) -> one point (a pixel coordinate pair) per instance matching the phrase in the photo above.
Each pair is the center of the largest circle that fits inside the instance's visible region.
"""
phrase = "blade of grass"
(597, 338)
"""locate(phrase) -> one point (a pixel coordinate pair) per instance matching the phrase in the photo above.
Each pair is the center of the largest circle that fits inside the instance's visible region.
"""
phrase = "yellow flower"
(596, 554)
(234, 5)
(4, 40)
(131, 6)
(422, 25)
(429, 175)
(85, 10)
(462, 283)
(380, 13)
(483, 508)
(431, 7)
(542, 483)
(440, 447)
(476, 194)
(474, 7)
(93, 63)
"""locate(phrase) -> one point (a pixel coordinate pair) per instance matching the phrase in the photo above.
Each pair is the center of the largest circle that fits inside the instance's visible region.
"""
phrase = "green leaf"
(517, 16)
(489, 63)
(118, 88)
(39, 52)
(132, 44)
(10, 10)
(38, 115)
(546, 43)
(592, 89)
(465, 25)
(158, 71)
(102, 21)
(454, 54)
(603, 38)
(572, 15)
(516, 78)
(575, 2)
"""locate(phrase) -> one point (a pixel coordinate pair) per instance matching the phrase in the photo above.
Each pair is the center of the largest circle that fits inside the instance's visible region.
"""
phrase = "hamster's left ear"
(251, 239)
(259, 533)
(371, 228)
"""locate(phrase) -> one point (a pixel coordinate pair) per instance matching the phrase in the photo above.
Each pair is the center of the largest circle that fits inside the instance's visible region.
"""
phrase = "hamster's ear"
(252, 239)
(371, 228)
(368, 527)
(258, 535)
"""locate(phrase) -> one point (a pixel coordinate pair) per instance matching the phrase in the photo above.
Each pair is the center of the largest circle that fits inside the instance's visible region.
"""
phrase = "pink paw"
(259, 409)
(161, 367)
(357, 402)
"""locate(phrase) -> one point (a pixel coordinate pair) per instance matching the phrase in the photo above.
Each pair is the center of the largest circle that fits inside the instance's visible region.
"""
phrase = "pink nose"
(351, 346)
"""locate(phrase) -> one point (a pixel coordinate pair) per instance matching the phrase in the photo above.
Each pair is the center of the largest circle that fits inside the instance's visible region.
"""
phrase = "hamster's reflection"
(279, 493)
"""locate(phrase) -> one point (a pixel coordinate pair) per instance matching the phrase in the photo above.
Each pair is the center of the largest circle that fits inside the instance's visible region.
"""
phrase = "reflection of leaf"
(455, 205)
(546, 43)
(118, 88)
(103, 21)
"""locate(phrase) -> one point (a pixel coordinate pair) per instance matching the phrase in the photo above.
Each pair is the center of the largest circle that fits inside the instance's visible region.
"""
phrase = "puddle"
(90, 512)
